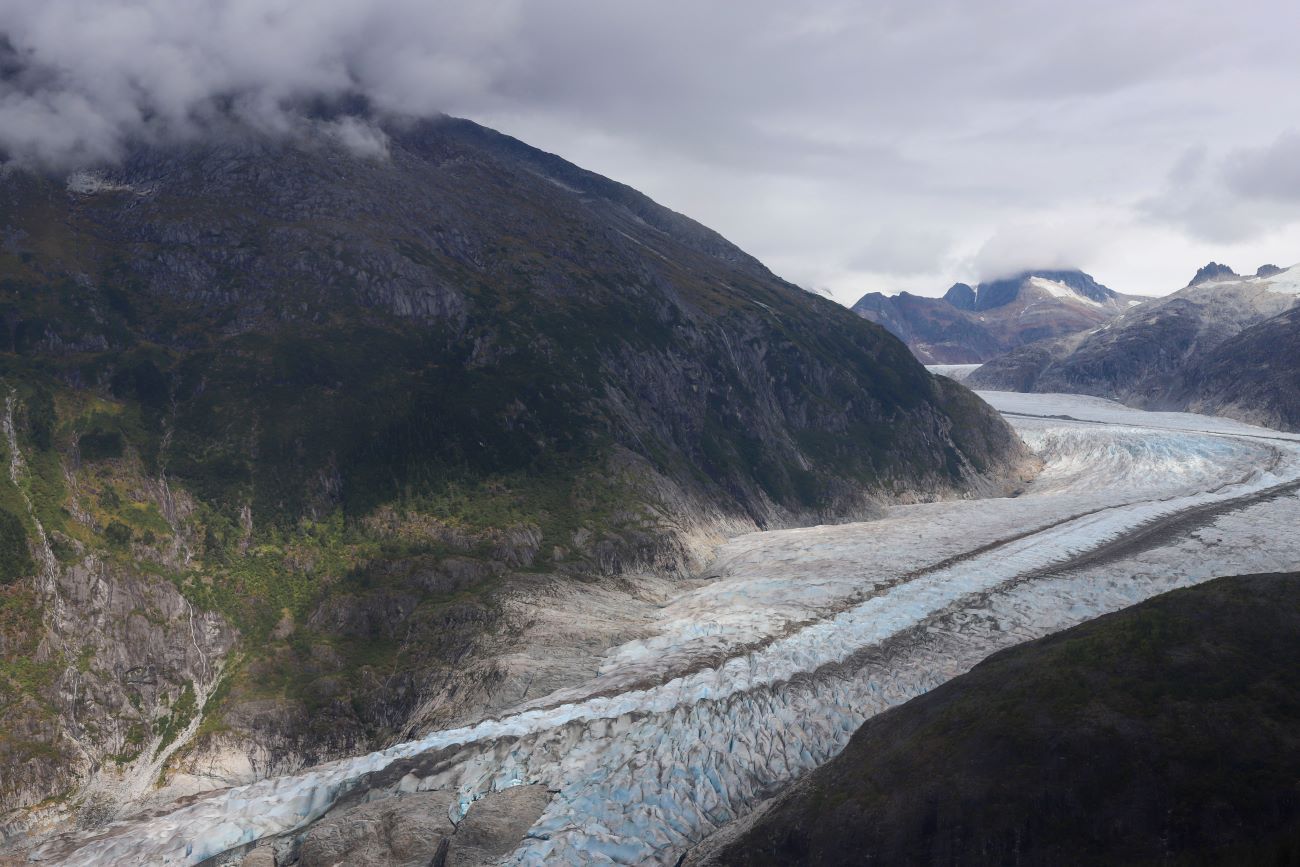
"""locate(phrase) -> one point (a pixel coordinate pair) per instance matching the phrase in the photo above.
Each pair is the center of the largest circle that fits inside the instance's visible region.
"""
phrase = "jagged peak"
(1268, 271)
(1212, 271)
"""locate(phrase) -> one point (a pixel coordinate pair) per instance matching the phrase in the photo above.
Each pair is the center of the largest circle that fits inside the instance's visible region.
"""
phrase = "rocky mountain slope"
(1254, 376)
(1164, 733)
(292, 432)
(974, 324)
(1139, 358)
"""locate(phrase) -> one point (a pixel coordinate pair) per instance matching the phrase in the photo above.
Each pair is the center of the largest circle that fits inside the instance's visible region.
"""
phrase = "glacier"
(746, 681)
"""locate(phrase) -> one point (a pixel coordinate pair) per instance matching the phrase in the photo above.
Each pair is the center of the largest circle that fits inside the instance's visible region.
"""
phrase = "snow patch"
(86, 183)
(1060, 290)
(1285, 283)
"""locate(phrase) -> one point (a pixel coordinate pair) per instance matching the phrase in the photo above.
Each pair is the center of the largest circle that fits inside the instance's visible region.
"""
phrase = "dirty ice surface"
(764, 672)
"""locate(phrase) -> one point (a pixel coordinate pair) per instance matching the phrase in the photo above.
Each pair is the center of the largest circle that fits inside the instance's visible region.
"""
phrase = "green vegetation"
(118, 534)
(182, 714)
(135, 740)
(15, 556)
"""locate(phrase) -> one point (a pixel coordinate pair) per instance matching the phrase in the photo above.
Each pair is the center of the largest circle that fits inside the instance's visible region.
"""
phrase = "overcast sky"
(852, 146)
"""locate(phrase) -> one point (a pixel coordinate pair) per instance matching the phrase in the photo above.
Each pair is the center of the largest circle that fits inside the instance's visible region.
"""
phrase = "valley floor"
(741, 683)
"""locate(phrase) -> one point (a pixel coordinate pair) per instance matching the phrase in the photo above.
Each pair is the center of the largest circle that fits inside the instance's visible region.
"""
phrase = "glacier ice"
(817, 629)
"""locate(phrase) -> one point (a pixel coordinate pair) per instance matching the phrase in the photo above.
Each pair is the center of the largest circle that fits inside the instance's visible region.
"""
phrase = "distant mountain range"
(1225, 343)
(972, 324)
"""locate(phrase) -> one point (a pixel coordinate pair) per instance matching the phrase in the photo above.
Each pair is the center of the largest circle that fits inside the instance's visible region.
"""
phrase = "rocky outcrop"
(1166, 732)
(105, 671)
(413, 830)
(1212, 271)
(973, 324)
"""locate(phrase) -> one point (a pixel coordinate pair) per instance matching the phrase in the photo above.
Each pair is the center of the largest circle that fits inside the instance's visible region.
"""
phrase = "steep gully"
(753, 678)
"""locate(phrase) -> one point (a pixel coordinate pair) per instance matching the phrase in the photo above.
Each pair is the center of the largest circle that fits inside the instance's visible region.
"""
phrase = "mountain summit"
(1212, 271)
(972, 324)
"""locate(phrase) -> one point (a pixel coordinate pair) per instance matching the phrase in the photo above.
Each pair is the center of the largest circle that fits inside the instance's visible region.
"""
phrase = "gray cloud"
(1271, 172)
(902, 250)
(1234, 196)
(845, 143)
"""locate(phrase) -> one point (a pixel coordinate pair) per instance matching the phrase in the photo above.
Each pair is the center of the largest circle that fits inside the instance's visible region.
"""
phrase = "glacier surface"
(749, 680)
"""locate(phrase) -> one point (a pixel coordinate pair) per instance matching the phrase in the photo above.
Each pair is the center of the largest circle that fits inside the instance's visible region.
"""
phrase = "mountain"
(1141, 355)
(1254, 376)
(1165, 733)
(294, 434)
(973, 324)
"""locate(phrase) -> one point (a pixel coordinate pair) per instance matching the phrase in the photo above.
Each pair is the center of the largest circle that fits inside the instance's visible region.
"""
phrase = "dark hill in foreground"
(1167, 733)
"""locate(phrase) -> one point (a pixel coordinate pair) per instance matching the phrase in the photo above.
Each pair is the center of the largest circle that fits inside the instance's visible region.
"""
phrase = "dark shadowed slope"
(1254, 376)
(289, 425)
(1167, 733)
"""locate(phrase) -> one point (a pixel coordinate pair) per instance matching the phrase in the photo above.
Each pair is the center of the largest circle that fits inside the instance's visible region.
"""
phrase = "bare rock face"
(413, 830)
(119, 666)
(394, 832)
(495, 825)
(261, 857)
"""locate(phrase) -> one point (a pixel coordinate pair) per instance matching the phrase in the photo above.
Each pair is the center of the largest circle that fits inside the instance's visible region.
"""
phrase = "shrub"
(100, 445)
(118, 534)
(15, 556)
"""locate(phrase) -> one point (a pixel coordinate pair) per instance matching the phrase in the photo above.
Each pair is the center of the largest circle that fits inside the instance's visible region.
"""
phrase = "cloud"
(357, 135)
(854, 145)
(79, 78)
(1050, 243)
(1271, 172)
(1234, 197)
(903, 250)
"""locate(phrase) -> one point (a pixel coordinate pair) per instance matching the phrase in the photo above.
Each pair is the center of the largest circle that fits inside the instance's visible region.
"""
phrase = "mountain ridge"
(974, 324)
(1145, 355)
